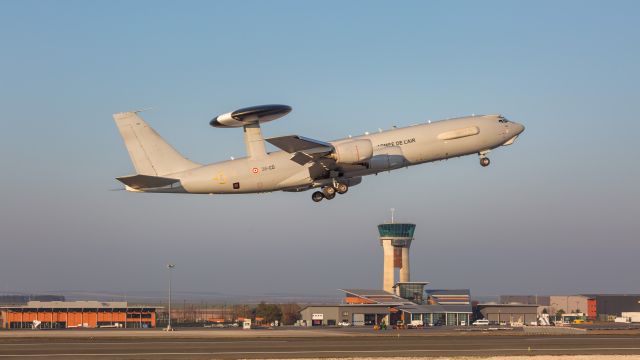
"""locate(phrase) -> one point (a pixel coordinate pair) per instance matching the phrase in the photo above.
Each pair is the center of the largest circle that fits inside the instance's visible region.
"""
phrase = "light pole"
(170, 267)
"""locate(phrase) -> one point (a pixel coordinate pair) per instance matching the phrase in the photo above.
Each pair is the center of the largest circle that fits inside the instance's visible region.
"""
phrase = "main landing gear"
(329, 192)
(317, 196)
(484, 160)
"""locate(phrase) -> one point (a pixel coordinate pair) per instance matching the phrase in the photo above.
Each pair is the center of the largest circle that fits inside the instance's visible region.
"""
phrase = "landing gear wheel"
(317, 196)
(342, 188)
(485, 162)
(329, 192)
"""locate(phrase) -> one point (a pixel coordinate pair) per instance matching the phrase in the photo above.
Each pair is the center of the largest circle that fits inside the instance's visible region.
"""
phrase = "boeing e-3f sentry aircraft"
(303, 163)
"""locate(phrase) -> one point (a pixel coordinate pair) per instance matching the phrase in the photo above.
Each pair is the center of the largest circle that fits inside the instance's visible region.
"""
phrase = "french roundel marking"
(255, 170)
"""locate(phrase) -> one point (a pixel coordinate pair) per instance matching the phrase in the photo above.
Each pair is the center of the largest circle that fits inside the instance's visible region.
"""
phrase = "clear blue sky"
(555, 213)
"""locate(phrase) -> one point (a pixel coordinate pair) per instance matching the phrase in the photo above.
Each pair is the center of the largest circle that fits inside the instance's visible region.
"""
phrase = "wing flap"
(301, 158)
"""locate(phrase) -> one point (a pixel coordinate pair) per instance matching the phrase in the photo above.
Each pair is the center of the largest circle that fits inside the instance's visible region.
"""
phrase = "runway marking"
(304, 352)
(583, 338)
(147, 342)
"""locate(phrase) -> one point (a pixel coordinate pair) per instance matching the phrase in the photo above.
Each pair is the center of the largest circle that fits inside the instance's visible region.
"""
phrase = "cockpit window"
(502, 119)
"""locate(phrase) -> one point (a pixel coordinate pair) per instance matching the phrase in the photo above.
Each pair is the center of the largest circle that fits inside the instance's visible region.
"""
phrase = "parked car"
(481, 322)
(344, 323)
(416, 324)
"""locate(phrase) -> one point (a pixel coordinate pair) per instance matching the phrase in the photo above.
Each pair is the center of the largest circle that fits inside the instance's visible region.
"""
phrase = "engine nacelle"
(387, 158)
(352, 152)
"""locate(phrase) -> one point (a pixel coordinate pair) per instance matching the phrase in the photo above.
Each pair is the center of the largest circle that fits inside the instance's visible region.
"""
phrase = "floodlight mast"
(170, 267)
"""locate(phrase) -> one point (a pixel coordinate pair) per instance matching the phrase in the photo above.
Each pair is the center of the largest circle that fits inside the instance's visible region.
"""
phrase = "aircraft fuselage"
(392, 149)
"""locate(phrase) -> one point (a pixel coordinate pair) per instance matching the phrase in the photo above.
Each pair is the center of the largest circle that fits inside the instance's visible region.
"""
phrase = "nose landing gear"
(329, 192)
(484, 160)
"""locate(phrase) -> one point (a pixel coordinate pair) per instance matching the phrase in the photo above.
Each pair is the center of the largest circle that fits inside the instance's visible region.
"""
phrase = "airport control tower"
(395, 239)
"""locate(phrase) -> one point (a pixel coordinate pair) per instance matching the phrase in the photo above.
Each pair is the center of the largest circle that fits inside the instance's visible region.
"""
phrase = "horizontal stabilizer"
(146, 182)
(295, 143)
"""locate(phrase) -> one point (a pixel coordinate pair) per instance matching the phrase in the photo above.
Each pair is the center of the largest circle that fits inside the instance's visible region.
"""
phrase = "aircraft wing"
(295, 143)
(303, 149)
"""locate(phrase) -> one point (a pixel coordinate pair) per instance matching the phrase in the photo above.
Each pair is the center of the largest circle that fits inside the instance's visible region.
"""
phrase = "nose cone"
(518, 128)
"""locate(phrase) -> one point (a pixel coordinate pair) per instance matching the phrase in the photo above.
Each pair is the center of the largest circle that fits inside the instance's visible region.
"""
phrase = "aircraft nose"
(518, 128)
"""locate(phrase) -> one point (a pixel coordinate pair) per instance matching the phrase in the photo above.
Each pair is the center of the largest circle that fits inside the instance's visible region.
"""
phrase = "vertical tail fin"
(150, 154)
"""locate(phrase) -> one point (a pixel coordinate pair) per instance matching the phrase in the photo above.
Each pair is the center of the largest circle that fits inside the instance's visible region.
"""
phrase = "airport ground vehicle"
(416, 324)
(574, 318)
(480, 322)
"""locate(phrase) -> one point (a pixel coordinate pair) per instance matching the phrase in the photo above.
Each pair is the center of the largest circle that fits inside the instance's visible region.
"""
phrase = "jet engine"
(352, 152)
(387, 158)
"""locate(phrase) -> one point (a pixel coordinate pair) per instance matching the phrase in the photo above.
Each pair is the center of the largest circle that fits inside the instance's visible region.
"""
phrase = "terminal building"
(398, 302)
(374, 307)
(76, 314)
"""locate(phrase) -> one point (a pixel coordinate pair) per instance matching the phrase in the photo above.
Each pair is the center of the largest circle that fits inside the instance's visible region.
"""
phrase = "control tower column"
(404, 270)
(388, 277)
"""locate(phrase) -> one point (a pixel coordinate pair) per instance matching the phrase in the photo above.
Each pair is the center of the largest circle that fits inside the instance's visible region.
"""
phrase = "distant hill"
(23, 299)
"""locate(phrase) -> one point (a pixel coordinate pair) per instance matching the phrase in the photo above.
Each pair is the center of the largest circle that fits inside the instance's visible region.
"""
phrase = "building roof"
(78, 305)
(435, 308)
(450, 297)
(377, 296)
(465, 292)
(367, 292)
(612, 295)
(508, 305)
(411, 283)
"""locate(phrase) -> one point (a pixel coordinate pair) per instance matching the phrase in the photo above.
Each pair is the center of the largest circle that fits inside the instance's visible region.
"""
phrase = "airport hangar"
(76, 314)
(600, 307)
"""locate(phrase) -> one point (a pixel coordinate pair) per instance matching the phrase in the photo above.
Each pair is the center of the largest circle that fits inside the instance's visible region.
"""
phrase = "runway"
(316, 347)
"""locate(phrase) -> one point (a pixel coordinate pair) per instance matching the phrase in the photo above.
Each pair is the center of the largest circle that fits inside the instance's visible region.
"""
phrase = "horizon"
(556, 212)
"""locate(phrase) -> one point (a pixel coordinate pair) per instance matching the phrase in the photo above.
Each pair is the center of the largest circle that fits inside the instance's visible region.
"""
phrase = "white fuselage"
(393, 149)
